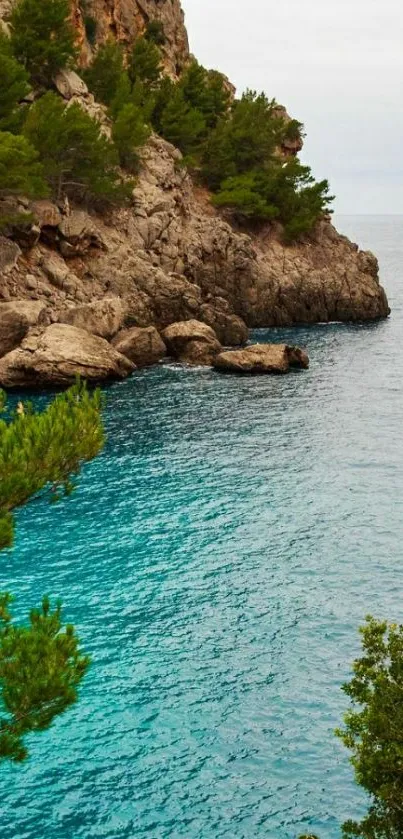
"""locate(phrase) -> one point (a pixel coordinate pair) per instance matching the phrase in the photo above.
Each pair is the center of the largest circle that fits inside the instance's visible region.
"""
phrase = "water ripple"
(217, 559)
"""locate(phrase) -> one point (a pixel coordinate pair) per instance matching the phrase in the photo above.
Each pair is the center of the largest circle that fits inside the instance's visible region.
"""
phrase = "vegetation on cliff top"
(238, 148)
(41, 665)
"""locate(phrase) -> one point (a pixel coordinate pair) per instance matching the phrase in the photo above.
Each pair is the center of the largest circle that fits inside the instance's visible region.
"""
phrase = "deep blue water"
(217, 560)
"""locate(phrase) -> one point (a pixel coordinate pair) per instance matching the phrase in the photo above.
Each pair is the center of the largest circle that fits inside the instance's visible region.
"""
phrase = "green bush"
(21, 173)
(43, 37)
(78, 159)
(155, 33)
(90, 26)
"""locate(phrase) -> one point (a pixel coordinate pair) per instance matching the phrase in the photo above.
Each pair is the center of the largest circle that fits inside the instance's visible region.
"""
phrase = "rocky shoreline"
(169, 258)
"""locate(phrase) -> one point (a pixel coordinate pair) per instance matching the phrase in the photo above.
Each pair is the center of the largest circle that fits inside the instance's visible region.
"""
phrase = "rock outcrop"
(142, 345)
(262, 358)
(192, 342)
(125, 20)
(57, 355)
(13, 328)
(103, 317)
(170, 257)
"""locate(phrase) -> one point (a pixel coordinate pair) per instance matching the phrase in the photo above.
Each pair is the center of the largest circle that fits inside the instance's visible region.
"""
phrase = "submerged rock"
(142, 345)
(262, 358)
(56, 356)
(192, 342)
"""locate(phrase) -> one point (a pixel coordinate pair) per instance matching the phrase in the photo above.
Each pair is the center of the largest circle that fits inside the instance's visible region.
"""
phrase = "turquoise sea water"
(217, 560)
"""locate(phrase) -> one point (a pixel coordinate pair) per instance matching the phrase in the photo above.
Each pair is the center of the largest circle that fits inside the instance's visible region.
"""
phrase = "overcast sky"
(336, 66)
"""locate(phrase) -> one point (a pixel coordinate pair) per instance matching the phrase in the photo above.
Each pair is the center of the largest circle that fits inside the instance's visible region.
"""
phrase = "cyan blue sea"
(217, 559)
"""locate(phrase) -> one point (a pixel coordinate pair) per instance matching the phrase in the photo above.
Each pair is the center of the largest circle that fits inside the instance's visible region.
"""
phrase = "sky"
(337, 67)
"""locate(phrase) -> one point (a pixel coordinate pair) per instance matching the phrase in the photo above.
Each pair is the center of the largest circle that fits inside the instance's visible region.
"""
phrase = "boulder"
(9, 254)
(230, 329)
(69, 84)
(102, 317)
(143, 346)
(79, 233)
(47, 213)
(56, 356)
(35, 311)
(262, 358)
(13, 329)
(192, 342)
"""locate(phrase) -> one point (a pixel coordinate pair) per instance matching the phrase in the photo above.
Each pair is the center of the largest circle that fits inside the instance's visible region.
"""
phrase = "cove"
(217, 560)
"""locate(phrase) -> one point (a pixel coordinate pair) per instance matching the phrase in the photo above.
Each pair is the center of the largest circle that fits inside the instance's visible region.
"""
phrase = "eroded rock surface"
(13, 328)
(142, 345)
(262, 358)
(192, 342)
(57, 355)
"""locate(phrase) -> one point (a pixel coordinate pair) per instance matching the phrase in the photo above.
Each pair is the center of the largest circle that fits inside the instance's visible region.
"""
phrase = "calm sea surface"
(217, 560)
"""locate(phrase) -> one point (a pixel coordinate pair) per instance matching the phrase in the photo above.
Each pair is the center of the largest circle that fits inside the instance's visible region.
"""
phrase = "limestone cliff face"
(172, 257)
(126, 20)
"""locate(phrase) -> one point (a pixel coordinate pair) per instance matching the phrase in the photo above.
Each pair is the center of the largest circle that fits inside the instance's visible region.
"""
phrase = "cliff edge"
(171, 256)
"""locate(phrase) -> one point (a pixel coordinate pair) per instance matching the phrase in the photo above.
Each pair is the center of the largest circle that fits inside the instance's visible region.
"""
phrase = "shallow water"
(217, 560)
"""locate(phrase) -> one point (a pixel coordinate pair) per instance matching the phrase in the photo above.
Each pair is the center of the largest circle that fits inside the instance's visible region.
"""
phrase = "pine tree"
(43, 37)
(21, 173)
(14, 86)
(145, 63)
(78, 159)
(104, 75)
(41, 664)
(373, 730)
(182, 125)
(130, 132)
(41, 667)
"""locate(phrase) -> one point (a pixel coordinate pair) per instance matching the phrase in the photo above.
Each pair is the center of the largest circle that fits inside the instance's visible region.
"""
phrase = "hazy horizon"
(339, 69)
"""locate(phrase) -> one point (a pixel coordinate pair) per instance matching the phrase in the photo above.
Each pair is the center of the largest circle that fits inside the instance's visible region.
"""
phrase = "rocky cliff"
(171, 256)
(126, 20)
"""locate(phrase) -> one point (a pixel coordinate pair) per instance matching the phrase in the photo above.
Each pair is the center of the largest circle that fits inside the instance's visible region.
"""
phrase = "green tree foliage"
(130, 132)
(41, 667)
(245, 141)
(206, 92)
(46, 450)
(43, 37)
(104, 75)
(242, 164)
(78, 159)
(14, 86)
(21, 173)
(41, 664)
(145, 63)
(181, 124)
(373, 730)
(155, 33)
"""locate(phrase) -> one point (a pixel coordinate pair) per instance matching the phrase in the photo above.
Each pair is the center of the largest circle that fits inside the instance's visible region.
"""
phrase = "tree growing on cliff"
(130, 132)
(373, 730)
(41, 664)
(182, 125)
(21, 172)
(43, 37)
(144, 63)
(14, 86)
(104, 75)
(78, 159)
